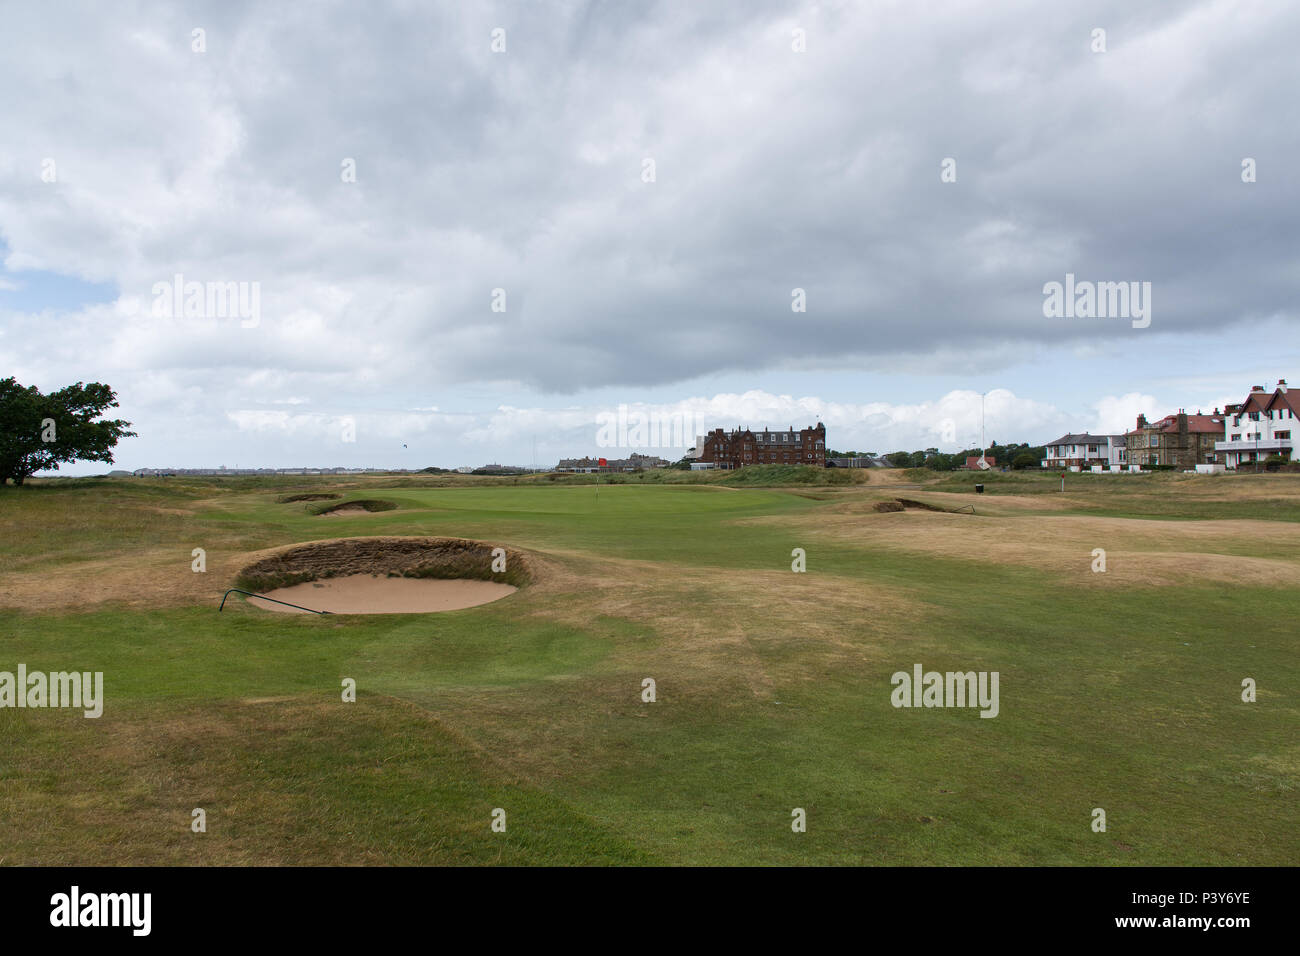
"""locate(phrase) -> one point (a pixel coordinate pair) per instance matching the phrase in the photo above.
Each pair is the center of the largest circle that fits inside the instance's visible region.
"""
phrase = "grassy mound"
(763, 475)
(287, 499)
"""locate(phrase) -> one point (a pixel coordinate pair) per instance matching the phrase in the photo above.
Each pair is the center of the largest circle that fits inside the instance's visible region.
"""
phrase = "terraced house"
(742, 446)
(1179, 440)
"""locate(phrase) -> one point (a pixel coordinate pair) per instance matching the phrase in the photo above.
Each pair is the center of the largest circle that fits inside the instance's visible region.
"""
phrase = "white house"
(1076, 452)
(1260, 426)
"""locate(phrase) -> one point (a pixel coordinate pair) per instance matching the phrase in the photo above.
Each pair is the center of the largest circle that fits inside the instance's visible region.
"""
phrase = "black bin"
(979, 489)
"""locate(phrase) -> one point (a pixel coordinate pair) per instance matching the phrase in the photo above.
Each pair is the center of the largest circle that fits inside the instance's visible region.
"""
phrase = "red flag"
(602, 462)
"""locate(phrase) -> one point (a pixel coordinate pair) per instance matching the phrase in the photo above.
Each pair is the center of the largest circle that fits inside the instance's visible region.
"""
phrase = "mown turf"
(773, 688)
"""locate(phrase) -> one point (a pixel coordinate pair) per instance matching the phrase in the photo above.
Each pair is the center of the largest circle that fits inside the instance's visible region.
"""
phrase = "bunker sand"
(367, 594)
(343, 511)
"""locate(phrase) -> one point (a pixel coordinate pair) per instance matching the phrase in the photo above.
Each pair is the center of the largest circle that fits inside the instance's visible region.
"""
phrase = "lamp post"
(983, 461)
(982, 445)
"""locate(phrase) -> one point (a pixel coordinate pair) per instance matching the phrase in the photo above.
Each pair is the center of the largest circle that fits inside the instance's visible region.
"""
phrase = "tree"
(1025, 460)
(39, 432)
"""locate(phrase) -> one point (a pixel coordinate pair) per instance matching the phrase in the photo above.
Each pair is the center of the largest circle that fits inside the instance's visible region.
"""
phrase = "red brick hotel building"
(743, 447)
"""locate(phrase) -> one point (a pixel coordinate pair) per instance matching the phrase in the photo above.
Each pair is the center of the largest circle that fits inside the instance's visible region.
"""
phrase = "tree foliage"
(38, 432)
(1015, 455)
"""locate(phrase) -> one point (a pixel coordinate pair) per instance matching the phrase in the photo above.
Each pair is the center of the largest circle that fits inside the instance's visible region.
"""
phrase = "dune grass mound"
(772, 475)
(289, 499)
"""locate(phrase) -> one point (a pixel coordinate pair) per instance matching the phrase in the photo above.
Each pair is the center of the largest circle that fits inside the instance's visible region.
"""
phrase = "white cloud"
(1116, 414)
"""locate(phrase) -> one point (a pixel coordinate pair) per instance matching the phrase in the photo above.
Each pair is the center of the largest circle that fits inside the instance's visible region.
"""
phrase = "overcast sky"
(507, 264)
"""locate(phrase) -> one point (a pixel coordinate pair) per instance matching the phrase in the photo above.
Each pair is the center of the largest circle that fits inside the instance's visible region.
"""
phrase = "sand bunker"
(386, 575)
(902, 504)
(356, 506)
(368, 594)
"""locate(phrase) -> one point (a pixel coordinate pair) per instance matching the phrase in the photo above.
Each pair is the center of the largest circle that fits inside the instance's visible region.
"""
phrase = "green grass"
(1124, 698)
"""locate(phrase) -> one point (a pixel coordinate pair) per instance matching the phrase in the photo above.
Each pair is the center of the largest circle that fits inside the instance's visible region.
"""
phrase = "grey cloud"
(775, 170)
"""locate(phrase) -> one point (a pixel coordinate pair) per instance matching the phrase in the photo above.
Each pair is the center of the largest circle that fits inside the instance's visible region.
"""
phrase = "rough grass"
(1120, 690)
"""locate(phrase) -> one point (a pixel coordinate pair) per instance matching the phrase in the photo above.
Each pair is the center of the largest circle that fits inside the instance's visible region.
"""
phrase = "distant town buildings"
(199, 472)
(217, 472)
(635, 462)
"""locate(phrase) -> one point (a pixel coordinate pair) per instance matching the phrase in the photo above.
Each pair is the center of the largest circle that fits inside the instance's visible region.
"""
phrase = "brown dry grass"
(1140, 553)
(709, 618)
(149, 579)
(154, 578)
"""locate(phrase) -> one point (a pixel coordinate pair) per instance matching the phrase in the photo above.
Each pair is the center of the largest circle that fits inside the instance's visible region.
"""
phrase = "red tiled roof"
(1285, 399)
(1195, 423)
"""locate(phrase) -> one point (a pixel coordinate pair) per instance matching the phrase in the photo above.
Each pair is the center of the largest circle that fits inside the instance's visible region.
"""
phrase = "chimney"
(1142, 420)
(1257, 388)
(1281, 385)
